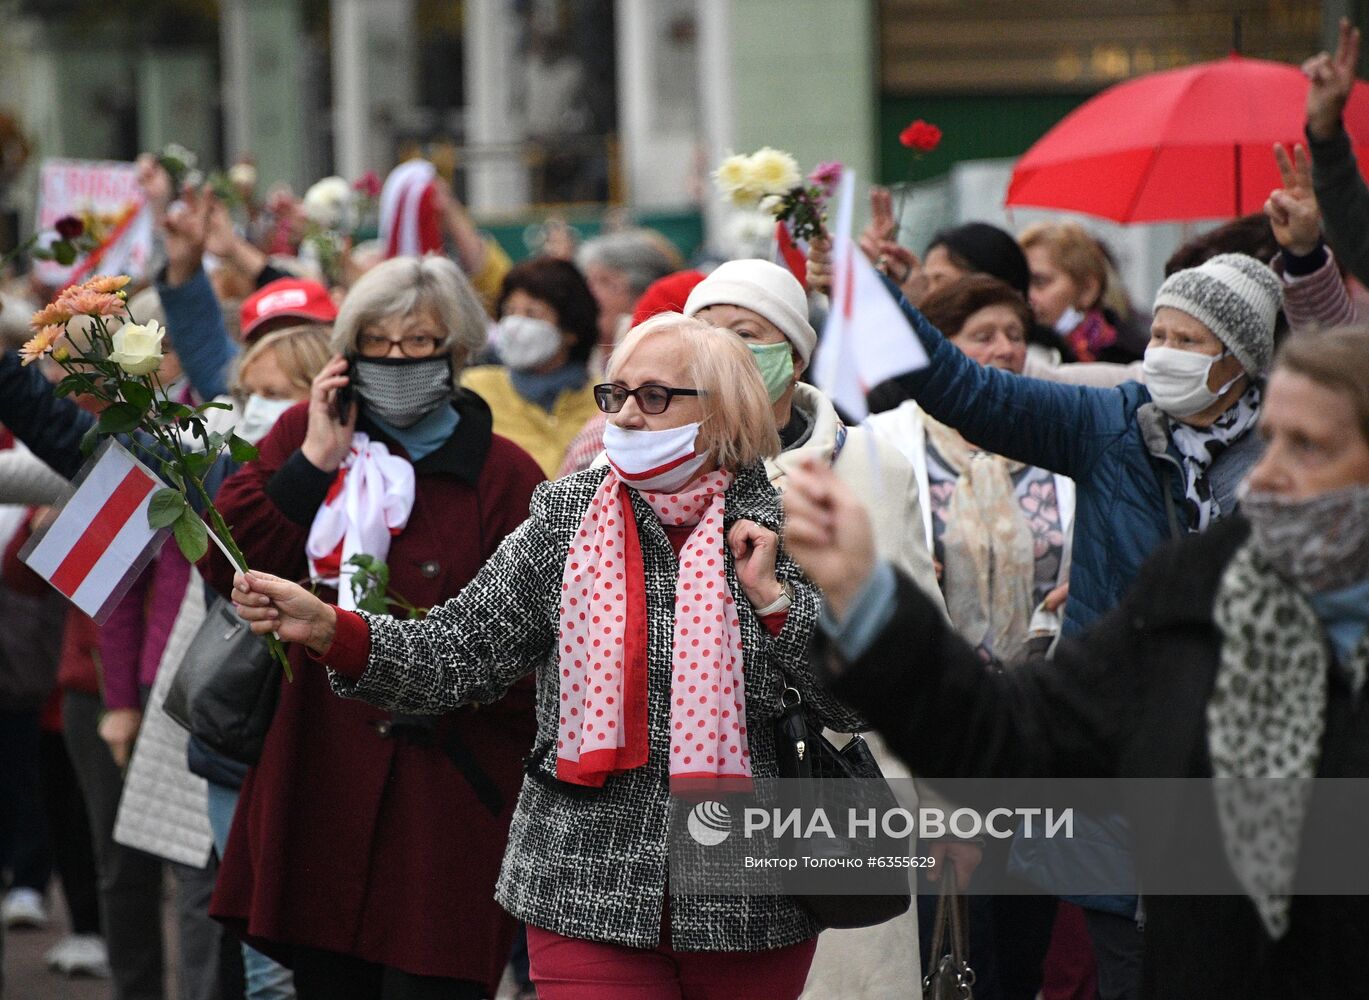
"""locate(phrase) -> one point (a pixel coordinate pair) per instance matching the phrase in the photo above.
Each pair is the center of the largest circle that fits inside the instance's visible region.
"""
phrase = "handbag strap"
(950, 922)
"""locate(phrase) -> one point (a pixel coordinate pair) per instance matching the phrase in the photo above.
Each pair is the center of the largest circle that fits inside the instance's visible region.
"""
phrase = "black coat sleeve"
(948, 716)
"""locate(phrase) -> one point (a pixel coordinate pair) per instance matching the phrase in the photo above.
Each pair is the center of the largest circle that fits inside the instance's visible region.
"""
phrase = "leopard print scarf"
(1265, 720)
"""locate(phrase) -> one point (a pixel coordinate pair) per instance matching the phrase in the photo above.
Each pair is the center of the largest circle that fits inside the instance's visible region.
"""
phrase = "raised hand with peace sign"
(1332, 78)
(1292, 209)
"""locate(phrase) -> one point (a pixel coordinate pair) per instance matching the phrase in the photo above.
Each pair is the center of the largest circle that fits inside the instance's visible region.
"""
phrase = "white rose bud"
(243, 175)
(138, 349)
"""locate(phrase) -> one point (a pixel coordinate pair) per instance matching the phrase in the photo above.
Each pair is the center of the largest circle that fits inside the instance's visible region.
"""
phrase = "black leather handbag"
(829, 780)
(225, 691)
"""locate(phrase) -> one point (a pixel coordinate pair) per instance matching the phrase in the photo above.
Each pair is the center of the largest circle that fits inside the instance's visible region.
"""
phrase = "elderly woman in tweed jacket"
(619, 592)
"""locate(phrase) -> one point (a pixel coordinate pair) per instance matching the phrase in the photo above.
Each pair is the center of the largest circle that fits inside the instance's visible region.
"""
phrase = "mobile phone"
(345, 395)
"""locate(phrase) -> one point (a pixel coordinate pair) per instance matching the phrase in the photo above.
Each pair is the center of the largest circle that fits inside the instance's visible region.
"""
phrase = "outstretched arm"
(472, 648)
(1052, 425)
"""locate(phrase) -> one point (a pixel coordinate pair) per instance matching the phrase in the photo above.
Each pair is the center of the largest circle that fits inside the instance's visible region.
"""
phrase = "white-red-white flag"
(866, 339)
(100, 540)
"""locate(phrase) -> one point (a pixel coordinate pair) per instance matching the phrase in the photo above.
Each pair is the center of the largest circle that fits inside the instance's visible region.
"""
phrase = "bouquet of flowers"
(116, 361)
(770, 180)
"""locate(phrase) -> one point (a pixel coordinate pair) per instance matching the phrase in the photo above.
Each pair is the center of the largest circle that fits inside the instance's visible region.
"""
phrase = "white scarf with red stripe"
(603, 646)
(369, 503)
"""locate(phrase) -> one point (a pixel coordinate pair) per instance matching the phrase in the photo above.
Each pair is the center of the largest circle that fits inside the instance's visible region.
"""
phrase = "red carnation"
(69, 227)
(368, 184)
(921, 136)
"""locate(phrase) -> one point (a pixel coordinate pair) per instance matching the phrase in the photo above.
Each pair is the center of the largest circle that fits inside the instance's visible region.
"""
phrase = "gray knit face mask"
(1319, 544)
(402, 391)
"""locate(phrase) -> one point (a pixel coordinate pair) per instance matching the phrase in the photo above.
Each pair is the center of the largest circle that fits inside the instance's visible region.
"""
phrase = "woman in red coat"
(365, 850)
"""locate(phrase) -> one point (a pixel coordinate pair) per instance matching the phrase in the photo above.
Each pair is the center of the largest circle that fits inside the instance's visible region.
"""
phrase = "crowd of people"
(623, 533)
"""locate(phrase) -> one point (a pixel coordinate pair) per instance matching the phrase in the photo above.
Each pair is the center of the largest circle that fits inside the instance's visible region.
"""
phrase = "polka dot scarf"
(603, 646)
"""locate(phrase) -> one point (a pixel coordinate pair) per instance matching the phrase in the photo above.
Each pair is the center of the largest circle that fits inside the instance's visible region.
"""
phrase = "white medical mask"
(524, 342)
(654, 461)
(1068, 320)
(259, 415)
(1177, 380)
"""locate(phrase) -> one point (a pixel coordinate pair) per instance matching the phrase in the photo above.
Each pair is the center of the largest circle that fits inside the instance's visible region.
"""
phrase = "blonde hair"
(738, 425)
(1073, 250)
(403, 286)
(301, 353)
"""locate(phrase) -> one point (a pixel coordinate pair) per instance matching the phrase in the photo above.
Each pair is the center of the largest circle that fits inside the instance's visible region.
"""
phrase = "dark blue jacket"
(194, 324)
(1112, 442)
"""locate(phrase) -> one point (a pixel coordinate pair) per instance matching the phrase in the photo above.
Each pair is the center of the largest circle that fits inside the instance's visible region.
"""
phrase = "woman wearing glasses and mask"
(652, 602)
(366, 844)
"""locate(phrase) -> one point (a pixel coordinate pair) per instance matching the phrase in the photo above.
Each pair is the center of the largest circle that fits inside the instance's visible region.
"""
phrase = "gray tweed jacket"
(592, 863)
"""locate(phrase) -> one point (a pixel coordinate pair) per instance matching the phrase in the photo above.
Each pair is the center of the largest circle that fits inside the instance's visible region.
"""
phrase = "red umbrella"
(1191, 143)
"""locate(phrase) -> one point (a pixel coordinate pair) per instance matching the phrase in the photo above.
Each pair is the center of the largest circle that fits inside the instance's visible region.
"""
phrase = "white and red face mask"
(654, 461)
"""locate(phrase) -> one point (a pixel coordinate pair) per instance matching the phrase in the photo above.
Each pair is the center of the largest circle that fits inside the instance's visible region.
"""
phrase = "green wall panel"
(973, 128)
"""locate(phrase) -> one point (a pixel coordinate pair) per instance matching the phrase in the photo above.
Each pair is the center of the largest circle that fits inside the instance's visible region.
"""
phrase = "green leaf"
(41, 253)
(191, 535)
(70, 384)
(173, 475)
(241, 450)
(213, 404)
(90, 439)
(197, 463)
(165, 508)
(137, 394)
(213, 443)
(64, 253)
(119, 419)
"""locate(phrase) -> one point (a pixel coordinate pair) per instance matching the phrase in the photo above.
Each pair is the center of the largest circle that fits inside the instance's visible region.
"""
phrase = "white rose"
(138, 349)
(327, 201)
(242, 175)
(772, 203)
(774, 172)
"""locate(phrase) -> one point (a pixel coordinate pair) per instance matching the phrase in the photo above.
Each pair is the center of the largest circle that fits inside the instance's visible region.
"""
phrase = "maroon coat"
(346, 839)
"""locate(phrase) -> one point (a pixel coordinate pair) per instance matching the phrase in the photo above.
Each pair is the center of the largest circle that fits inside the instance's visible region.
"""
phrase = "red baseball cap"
(286, 298)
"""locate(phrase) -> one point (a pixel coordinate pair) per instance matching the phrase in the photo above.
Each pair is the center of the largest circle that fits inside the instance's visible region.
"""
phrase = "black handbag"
(225, 691)
(950, 977)
(829, 777)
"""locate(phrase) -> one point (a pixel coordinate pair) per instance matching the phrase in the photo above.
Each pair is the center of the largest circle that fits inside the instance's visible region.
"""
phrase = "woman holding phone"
(366, 844)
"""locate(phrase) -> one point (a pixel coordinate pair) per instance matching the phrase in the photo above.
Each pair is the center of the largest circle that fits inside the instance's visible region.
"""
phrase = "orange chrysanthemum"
(40, 344)
(107, 282)
(53, 314)
(81, 301)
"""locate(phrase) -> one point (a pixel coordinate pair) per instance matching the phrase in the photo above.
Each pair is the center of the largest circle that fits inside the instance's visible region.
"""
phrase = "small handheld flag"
(100, 540)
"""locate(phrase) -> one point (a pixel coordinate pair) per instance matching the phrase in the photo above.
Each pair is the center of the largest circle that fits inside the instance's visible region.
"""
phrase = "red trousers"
(572, 969)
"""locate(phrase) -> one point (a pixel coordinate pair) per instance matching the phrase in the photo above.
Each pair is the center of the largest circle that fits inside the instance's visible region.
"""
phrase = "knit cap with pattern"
(1234, 296)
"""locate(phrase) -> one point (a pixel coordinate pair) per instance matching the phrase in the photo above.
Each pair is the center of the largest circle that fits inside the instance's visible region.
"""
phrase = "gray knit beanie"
(1234, 296)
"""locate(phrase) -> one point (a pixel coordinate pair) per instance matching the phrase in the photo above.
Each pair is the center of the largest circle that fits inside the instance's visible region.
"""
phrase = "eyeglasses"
(372, 345)
(651, 398)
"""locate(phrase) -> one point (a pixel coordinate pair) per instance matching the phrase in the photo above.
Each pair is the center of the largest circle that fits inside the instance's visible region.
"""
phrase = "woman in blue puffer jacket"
(1150, 462)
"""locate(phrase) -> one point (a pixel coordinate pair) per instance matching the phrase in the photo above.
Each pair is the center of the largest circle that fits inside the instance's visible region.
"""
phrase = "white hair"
(402, 286)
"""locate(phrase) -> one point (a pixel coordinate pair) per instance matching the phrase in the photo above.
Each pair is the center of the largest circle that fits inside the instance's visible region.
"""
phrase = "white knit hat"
(1234, 296)
(764, 288)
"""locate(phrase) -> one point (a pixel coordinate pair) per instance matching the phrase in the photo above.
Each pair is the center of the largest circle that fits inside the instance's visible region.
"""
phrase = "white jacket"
(879, 474)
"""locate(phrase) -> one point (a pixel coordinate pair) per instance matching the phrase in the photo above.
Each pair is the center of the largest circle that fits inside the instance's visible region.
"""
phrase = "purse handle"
(950, 922)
